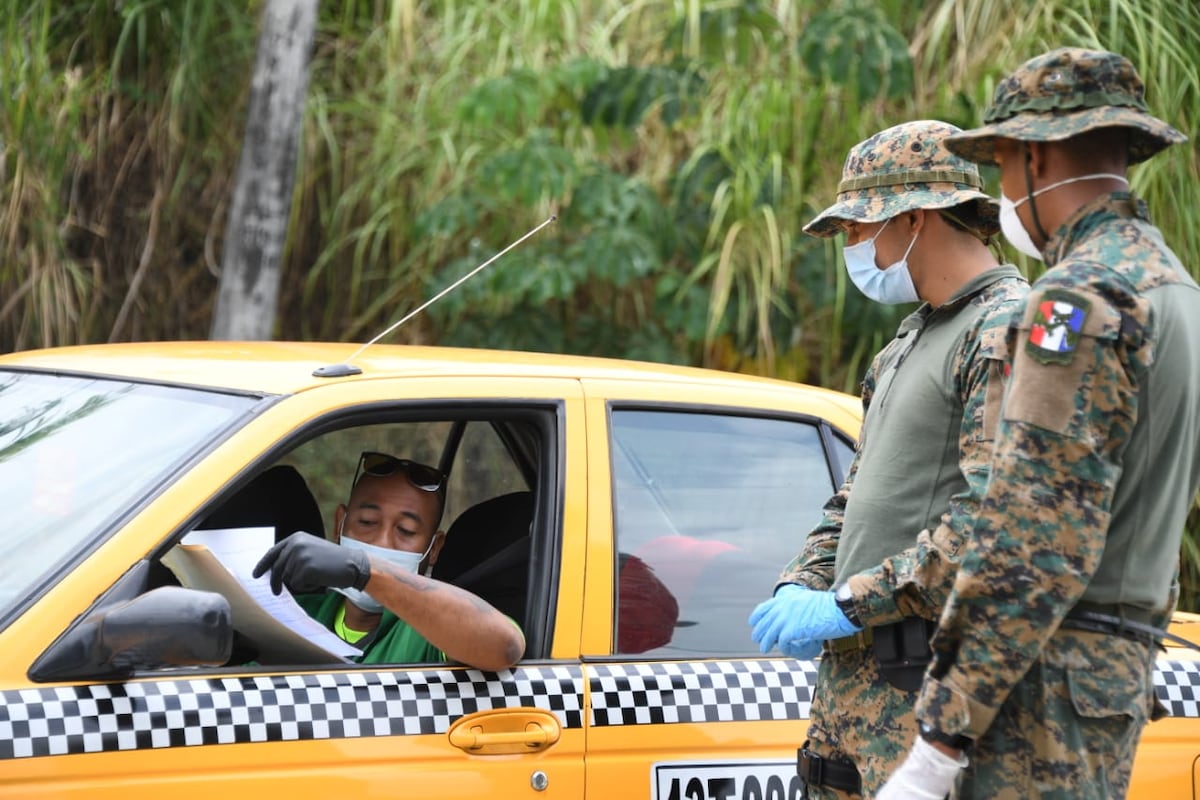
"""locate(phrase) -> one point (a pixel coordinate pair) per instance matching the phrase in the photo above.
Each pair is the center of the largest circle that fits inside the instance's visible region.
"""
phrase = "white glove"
(927, 774)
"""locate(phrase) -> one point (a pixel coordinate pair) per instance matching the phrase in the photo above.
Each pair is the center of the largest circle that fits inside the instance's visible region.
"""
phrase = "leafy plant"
(623, 96)
(723, 33)
(854, 46)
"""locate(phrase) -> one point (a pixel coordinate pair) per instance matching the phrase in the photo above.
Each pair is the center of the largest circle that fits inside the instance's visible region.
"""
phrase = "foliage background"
(682, 143)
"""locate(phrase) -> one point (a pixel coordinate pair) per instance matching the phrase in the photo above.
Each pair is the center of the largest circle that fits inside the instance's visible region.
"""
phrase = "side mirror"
(166, 627)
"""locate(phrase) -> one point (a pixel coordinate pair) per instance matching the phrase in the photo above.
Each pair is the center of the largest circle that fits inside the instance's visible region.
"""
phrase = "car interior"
(495, 467)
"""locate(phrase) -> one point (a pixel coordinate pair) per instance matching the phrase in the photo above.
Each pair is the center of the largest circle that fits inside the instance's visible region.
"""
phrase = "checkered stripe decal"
(181, 713)
(1177, 684)
(706, 691)
(638, 694)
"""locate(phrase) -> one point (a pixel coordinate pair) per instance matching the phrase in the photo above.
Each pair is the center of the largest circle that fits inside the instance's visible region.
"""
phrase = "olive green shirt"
(931, 403)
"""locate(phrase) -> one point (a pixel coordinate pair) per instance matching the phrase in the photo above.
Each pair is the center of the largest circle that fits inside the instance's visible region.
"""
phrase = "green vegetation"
(682, 143)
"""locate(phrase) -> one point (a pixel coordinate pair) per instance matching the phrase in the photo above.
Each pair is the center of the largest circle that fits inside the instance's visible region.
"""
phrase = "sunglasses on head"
(381, 465)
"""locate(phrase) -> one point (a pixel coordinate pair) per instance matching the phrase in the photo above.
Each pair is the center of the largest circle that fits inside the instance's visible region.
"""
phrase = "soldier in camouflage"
(1044, 656)
(877, 569)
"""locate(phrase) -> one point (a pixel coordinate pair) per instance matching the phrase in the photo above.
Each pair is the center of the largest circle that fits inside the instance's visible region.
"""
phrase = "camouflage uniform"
(1095, 467)
(932, 401)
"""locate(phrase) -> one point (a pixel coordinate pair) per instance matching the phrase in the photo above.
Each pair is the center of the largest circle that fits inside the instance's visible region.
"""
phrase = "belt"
(837, 774)
(857, 641)
(1113, 619)
(1136, 614)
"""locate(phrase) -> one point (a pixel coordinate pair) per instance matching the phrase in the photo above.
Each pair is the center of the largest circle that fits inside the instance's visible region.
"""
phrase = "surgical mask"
(409, 562)
(889, 286)
(1011, 225)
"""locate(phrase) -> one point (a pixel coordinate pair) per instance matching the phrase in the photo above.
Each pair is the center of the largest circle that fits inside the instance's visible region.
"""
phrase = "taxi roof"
(273, 367)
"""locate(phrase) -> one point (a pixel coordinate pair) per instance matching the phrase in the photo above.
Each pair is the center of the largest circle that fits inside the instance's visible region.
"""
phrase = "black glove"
(307, 563)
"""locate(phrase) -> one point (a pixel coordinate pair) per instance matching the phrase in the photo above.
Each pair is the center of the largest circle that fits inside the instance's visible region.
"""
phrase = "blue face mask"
(410, 562)
(889, 286)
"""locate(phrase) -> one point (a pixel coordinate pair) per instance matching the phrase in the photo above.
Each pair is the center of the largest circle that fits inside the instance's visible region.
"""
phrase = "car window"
(487, 518)
(328, 461)
(708, 509)
(76, 453)
(483, 468)
(843, 456)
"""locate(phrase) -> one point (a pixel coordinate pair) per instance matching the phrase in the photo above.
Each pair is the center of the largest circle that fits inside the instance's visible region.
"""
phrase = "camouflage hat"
(1063, 93)
(904, 168)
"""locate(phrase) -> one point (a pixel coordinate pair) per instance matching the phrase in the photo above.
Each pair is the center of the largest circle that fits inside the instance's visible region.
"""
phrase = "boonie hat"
(904, 168)
(1063, 93)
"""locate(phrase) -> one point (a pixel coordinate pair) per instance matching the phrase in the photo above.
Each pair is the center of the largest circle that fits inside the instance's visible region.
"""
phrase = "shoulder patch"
(1056, 325)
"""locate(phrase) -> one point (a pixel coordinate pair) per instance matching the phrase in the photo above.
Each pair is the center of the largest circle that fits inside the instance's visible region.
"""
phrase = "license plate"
(726, 780)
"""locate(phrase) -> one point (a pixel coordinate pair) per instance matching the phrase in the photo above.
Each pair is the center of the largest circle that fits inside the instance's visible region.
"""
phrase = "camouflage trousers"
(1069, 729)
(1070, 726)
(857, 715)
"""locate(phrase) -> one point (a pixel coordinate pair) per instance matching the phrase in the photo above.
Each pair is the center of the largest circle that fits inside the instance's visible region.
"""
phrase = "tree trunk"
(248, 297)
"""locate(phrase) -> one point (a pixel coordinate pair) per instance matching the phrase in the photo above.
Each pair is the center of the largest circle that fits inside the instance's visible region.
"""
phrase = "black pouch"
(834, 773)
(902, 650)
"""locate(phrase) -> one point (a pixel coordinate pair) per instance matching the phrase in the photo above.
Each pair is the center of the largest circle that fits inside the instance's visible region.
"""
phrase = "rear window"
(708, 508)
(77, 452)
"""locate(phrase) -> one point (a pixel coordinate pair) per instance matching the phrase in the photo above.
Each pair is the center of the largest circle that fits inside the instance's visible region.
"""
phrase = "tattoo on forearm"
(423, 584)
(418, 582)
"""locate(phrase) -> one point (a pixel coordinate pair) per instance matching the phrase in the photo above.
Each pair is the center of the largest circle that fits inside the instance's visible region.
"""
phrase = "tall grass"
(683, 143)
(125, 239)
(1161, 37)
(45, 297)
(116, 129)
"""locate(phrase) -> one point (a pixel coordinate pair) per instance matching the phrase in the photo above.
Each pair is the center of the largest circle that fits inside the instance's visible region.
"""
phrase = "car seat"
(487, 552)
(278, 498)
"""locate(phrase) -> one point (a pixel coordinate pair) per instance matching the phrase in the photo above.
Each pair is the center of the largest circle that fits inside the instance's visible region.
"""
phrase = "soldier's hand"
(307, 563)
(797, 613)
(927, 774)
(801, 649)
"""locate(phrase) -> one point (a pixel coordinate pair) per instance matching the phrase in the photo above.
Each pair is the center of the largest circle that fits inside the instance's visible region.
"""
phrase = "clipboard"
(221, 560)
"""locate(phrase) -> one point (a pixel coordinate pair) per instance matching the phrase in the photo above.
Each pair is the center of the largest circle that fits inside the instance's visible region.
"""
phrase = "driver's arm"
(460, 624)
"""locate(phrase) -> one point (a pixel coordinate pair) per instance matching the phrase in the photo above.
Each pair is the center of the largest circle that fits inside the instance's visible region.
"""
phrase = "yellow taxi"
(628, 516)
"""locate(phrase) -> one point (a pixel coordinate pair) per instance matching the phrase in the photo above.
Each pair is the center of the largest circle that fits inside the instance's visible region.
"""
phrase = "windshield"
(76, 452)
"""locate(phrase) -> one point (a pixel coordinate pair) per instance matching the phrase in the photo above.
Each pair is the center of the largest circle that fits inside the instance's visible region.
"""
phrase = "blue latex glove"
(801, 649)
(798, 613)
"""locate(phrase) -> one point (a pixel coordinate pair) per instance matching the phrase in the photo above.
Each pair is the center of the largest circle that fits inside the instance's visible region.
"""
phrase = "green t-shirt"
(392, 642)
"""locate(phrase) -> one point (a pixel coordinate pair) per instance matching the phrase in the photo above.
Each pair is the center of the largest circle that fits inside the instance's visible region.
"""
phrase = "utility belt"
(1115, 619)
(901, 649)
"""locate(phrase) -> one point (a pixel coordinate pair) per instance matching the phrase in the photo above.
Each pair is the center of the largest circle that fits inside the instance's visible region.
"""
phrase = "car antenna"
(346, 368)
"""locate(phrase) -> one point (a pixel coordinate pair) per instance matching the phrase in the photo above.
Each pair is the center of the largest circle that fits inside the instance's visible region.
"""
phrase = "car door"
(709, 502)
(313, 730)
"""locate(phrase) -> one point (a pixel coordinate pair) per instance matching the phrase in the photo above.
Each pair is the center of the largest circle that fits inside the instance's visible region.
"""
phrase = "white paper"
(239, 550)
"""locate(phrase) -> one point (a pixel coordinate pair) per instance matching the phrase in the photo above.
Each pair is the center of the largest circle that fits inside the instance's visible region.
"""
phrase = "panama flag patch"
(1057, 323)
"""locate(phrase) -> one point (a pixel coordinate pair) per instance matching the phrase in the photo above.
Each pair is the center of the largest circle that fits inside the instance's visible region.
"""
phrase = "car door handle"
(505, 731)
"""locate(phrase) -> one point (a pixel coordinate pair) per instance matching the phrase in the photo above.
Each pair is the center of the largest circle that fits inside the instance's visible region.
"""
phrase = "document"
(222, 560)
